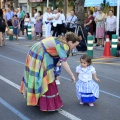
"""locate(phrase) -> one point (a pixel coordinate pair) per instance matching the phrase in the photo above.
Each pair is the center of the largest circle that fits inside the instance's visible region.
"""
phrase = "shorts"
(2, 30)
(15, 31)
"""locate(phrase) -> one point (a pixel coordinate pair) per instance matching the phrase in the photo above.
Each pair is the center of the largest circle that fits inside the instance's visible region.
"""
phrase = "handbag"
(9, 32)
(87, 28)
(68, 24)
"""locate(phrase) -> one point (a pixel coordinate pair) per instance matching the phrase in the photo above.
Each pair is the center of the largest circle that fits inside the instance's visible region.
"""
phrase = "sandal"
(81, 103)
(91, 104)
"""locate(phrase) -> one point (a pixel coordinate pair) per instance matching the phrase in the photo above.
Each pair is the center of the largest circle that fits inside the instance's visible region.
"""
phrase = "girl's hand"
(73, 78)
(58, 64)
(97, 79)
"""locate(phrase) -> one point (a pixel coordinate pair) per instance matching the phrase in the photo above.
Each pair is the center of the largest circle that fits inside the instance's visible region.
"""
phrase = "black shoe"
(97, 45)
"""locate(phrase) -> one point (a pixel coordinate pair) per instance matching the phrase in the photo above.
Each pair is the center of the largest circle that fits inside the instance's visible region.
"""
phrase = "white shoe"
(57, 82)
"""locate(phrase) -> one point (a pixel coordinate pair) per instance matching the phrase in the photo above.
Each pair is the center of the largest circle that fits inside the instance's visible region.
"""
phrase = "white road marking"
(9, 82)
(12, 59)
(16, 49)
(68, 115)
(61, 111)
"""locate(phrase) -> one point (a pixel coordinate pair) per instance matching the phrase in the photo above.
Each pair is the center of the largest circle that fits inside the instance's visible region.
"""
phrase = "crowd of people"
(96, 24)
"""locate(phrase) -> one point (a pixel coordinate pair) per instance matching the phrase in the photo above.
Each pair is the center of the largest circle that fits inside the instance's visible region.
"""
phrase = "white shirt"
(59, 20)
(53, 18)
(18, 14)
(54, 21)
(63, 18)
(35, 16)
(72, 20)
(46, 16)
(85, 74)
(95, 14)
(111, 23)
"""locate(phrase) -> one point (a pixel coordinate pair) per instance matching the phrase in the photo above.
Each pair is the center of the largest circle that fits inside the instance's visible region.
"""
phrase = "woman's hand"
(68, 70)
(73, 78)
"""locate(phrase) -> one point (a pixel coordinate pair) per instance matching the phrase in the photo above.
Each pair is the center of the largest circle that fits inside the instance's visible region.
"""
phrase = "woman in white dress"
(47, 20)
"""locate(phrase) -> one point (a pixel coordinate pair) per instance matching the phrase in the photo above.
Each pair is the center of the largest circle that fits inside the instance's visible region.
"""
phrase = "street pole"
(47, 3)
(118, 16)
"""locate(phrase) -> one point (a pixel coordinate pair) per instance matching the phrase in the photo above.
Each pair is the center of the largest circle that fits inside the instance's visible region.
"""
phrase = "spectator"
(82, 33)
(111, 24)
(54, 23)
(94, 26)
(4, 13)
(35, 16)
(26, 22)
(89, 22)
(63, 30)
(38, 26)
(18, 12)
(9, 16)
(95, 12)
(21, 16)
(100, 27)
(15, 23)
(71, 21)
(47, 20)
(58, 23)
(2, 28)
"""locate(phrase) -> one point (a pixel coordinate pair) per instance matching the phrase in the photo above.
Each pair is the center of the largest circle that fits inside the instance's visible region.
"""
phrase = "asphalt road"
(13, 105)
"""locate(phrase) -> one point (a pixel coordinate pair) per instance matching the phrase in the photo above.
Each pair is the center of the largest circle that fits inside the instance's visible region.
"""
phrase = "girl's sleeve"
(93, 70)
(62, 51)
(77, 69)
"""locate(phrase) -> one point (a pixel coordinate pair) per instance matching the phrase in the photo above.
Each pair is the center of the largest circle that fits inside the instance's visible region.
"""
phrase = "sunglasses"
(98, 10)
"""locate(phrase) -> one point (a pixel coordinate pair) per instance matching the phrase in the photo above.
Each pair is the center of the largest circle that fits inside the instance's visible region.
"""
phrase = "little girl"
(15, 23)
(57, 70)
(87, 89)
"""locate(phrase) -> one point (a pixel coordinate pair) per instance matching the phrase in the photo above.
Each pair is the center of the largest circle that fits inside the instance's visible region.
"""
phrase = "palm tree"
(79, 9)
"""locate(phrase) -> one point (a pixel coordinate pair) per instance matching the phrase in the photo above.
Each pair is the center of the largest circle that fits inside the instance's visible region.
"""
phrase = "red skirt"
(51, 100)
